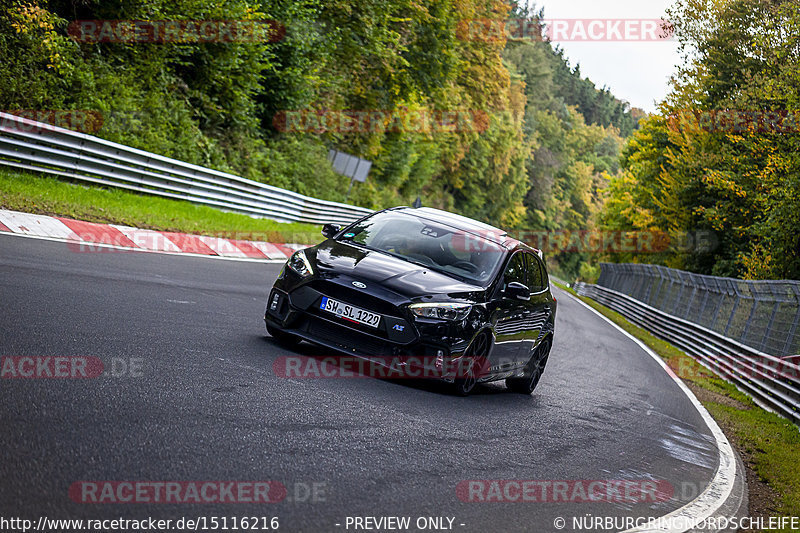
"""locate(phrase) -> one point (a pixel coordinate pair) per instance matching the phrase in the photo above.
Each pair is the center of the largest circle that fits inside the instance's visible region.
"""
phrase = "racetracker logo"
(379, 121)
(565, 491)
(44, 120)
(762, 368)
(591, 241)
(735, 121)
(76, 367)
(50, 367)
(561, 30)
(176, 31)
(381, 367)
(171, 492)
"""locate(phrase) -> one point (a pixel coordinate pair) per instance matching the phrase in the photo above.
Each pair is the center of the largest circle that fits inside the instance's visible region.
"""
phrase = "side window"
(545, 278)
(536, 275)
(515, 271)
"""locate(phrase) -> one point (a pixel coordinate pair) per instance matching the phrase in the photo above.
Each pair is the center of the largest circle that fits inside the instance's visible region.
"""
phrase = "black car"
(421, 288)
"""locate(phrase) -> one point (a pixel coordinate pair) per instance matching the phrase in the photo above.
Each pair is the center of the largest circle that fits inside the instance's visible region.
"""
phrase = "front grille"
(354, 297)
(346, 338)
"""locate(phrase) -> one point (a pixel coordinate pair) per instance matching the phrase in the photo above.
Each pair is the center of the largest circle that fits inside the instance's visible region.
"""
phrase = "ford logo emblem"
(359, 285)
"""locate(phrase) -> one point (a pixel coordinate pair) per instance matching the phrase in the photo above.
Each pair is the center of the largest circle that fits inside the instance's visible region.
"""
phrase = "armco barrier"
(764, 315)
(773, 382)
(35, 146)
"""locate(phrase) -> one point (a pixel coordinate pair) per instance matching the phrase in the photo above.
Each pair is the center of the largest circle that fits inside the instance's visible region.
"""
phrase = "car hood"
(336, 259)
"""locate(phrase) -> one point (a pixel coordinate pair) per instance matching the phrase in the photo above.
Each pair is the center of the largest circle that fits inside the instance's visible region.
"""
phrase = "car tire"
(472, 365)
(287, 340)
(533, 370)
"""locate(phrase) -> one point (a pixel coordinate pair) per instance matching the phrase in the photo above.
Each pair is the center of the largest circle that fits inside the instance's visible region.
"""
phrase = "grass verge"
(769, 445)
(30, 193)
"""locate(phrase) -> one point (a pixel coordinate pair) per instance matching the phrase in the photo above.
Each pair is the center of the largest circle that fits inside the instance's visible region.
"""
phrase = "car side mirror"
(329, 230)
(517, 291)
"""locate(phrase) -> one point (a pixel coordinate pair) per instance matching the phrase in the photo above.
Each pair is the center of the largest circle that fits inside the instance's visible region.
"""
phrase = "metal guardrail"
(764, 315)
(39, 147)
(773, 382)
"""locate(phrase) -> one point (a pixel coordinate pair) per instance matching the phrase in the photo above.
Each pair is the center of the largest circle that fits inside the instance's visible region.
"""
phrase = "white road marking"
(222, 246)
(37, 225)
(270, 250)
(148, 239)
(720, 487)
(47, 228)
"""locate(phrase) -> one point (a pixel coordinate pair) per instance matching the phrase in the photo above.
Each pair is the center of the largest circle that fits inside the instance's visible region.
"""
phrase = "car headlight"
(300, 264)
(444, 311)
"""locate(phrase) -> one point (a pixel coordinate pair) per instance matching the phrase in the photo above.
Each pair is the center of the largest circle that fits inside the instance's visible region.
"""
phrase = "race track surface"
(195, 398)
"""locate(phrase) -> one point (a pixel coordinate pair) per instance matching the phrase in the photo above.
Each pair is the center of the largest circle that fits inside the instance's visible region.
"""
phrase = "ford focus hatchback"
(425, 293)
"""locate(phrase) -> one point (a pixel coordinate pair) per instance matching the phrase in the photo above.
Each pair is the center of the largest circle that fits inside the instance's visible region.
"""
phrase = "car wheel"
(471, 365)
(286, 340)
(533, 371)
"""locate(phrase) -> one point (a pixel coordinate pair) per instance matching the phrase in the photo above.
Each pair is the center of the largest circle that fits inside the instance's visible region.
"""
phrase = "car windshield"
(440, 247)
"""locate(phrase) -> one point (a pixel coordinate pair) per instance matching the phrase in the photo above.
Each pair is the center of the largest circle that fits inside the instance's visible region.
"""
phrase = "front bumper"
(416, 349)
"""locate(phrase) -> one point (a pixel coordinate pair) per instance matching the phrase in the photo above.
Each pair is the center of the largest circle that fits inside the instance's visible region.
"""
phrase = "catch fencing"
(772, 382)
(764, 315)
(39, 147)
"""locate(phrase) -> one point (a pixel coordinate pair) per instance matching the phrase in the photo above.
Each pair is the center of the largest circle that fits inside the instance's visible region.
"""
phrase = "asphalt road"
(203, 403)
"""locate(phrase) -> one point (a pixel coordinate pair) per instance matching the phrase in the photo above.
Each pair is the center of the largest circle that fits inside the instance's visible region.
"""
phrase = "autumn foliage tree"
(723, 153)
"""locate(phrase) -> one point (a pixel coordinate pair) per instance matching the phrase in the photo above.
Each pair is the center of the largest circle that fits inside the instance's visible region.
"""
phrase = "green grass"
(30, 193)
(769, 443)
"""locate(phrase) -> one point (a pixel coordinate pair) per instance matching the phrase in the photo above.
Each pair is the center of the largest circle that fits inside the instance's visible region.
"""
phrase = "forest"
(497, 127)
(721, 156)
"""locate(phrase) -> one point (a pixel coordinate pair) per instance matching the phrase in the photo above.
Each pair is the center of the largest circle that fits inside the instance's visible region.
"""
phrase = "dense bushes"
(541, 141)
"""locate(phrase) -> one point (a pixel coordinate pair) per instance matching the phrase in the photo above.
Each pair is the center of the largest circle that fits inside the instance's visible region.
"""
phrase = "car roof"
(469, 225)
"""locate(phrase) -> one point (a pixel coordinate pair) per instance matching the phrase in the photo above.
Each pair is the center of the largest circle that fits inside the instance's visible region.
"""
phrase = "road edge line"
(719, 490)
(145, 251)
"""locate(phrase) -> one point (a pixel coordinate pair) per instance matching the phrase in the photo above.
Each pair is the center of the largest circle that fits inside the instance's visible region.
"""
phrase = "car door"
(509, 319)
(537, 309)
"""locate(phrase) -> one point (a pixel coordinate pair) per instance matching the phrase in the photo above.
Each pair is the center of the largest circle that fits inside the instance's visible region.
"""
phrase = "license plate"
(349, 312)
